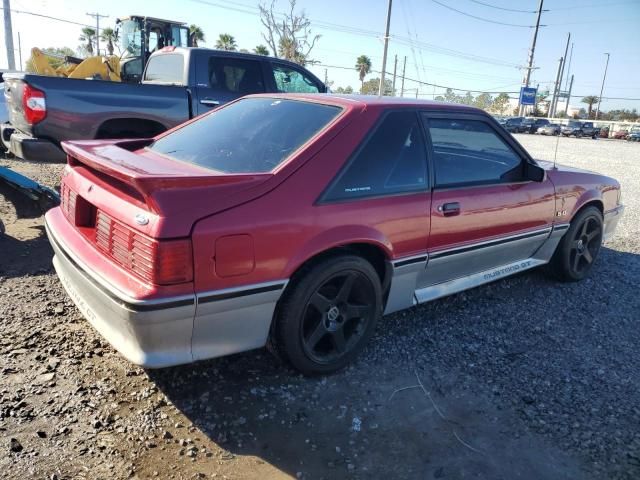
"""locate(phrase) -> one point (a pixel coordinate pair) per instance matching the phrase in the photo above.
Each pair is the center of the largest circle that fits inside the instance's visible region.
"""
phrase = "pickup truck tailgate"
(13, 88)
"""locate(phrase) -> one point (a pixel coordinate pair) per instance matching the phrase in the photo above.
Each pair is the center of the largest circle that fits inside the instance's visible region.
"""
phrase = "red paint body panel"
(280, 211)
(487, 212)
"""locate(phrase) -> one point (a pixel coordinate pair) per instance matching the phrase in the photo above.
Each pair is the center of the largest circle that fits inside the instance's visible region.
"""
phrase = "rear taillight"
(162, 262)
(33, 104)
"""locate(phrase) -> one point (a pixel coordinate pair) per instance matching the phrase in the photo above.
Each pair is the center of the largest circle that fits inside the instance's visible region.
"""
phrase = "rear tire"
(577, 251)
(328, 314)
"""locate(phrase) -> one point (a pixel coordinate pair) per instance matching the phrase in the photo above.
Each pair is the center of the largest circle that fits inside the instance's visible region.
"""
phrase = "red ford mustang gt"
(299, 220)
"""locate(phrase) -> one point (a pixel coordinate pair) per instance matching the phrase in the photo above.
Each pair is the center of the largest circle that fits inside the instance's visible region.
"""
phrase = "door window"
(289, 80)
(165, 68)
(470, 151)
(234, 75)
(392, 160)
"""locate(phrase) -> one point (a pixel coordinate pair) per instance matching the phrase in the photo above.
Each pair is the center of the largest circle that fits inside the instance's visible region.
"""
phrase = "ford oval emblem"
(141, 219)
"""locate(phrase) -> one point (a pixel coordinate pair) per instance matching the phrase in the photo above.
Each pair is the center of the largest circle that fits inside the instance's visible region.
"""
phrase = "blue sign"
(528, 96)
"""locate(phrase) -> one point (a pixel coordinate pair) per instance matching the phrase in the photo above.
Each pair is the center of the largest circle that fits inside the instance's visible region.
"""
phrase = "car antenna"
(555, 154)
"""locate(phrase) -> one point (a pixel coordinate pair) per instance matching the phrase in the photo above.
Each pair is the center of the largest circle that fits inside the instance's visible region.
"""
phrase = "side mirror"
(534, 173)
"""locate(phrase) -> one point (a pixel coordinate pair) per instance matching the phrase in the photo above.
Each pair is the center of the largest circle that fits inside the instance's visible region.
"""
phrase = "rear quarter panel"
(288, 227)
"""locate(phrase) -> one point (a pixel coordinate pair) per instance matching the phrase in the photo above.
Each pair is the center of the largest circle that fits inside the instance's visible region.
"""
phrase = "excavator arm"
(96, 67)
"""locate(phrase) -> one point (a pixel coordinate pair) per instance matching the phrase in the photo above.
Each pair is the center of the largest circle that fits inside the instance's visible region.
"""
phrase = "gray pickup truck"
(178, 84)
(580, 129)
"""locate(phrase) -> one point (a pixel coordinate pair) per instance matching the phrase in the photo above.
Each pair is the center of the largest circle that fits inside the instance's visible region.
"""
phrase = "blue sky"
(442, 46)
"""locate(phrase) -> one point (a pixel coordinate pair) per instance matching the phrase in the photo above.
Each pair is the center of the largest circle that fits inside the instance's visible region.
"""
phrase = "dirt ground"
(524, 378)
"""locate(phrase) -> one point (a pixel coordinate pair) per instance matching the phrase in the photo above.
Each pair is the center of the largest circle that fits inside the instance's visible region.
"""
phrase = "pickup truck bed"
(87, 109)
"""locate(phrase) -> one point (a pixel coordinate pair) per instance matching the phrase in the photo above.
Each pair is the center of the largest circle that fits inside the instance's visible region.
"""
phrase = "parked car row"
(543, 126)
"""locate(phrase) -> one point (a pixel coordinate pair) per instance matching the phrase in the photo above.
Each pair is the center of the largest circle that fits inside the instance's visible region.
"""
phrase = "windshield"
(574, 124)
(253, 135)
(130, 38)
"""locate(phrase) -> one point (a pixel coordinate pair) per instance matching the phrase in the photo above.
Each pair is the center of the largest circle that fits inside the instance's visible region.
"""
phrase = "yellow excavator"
(137, 37)
(96, 67)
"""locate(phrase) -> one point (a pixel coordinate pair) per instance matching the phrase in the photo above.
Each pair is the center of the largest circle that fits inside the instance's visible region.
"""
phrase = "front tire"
(328, 314)
(577, 251)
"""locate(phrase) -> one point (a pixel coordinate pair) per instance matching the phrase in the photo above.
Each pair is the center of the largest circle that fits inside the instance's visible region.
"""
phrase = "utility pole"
(97, 16)
(555, 90)
(386, 47)
(395, 67)
(8, 34)
(532, 51)
(404, 67)
(566, 108)
(569, 67)
(20, 52)
(566, 50)
(602, 88)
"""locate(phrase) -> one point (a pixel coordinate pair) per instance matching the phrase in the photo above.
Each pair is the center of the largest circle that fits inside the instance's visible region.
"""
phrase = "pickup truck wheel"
(328, 314)
(578, 134)
(578, 249)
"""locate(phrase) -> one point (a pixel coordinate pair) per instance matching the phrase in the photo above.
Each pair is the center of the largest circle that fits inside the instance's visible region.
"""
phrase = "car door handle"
(450, 209)
(210, 102)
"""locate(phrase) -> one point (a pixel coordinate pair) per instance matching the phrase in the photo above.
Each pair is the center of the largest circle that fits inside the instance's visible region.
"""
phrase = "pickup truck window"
(470, 151)
(252, 135)
(236, 75)
(167, 68)
(289, 80)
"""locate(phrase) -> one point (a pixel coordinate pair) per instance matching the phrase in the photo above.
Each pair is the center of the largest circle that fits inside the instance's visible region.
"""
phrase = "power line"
(416, 81)
(51, 18)
(502, 8)
(482, 18)
(594, 5)
(371, 33)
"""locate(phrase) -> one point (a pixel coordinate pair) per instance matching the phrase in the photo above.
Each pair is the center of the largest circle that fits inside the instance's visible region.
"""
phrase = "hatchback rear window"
(253, 135)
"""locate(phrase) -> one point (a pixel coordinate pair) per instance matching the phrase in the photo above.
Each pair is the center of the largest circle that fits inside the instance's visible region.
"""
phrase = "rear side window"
(235, 75)
(470, 151)
(165, 68)
(253, 135)
(289, 80)
(391, 161)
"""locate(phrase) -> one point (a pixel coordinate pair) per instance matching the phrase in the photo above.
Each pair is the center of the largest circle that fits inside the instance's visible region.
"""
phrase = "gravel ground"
(522, 378)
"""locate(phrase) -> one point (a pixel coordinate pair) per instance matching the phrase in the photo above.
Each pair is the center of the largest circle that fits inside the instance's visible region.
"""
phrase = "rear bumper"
(169, 331)
(611, 219)
(27, 147)
(152, 334)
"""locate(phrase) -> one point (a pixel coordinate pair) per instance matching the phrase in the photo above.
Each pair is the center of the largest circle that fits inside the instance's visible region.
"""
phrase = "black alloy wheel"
(579, 247)
(328, 314)
(336, 316)
(585, 245)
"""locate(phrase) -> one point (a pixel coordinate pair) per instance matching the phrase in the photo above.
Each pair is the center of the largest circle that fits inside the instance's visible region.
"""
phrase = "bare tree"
(288, 34)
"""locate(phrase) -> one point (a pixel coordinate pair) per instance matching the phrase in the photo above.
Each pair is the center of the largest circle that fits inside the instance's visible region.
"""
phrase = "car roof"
(365, 101)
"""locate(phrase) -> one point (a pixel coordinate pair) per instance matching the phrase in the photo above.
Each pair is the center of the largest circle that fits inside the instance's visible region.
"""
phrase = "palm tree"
(109, 36)
(88, 35)
(226, 42)
(590, 100)
(196, 34)
(261, 50)
(363, 66)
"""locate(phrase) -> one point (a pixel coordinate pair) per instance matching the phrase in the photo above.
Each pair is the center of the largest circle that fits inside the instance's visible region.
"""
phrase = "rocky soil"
(523, 378)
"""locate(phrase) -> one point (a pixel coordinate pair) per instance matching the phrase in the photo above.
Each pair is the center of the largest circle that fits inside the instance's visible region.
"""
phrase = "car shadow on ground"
(24, 248)
(374, 419)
